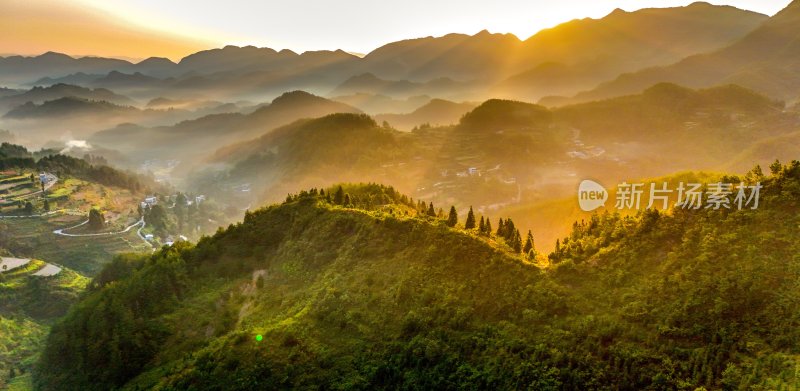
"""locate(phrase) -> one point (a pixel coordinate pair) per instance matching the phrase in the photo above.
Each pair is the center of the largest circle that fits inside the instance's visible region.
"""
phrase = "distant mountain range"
(766, 60)
(38, 95)
(568, 58)
(82, 28)
(589, 51)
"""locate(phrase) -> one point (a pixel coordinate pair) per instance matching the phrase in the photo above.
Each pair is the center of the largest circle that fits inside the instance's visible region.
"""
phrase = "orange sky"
(32, 27)
(114, 28)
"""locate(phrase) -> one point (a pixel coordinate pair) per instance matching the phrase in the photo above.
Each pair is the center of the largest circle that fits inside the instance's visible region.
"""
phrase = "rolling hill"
(515, 159)
(336, 147)
(190, 140)
(69, 107)
(371, 295)
(430, 162)
(39, 95)
(437, 112)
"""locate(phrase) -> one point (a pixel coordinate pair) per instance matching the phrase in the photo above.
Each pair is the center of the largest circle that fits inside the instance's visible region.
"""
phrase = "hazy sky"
(363, 25)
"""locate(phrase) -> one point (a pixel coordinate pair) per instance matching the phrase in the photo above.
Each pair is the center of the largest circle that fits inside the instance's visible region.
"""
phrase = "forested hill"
(18, 157)
(361, 291)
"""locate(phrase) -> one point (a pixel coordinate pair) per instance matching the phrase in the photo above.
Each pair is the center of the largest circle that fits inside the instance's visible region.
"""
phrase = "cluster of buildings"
(151, 201)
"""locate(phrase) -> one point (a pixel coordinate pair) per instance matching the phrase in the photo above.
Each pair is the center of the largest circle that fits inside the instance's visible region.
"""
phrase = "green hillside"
(28, 220)
(310, 293)
(28, 305)
(335, 148)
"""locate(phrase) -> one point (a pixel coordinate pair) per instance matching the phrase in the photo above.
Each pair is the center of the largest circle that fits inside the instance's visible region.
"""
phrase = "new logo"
(591, 195)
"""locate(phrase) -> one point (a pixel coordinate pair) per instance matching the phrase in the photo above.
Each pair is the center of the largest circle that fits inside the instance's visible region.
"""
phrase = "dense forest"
(360, 288)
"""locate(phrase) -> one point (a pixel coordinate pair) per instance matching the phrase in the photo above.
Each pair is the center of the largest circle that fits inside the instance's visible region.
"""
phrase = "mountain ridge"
(397, 301)
(484, 60)
(762, 60)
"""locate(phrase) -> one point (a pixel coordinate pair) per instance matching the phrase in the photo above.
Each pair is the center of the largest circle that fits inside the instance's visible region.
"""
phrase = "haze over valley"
(404, 218)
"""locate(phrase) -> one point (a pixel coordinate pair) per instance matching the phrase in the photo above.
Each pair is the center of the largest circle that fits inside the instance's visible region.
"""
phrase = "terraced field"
(29, 303)
(69, 201)
(84, 254)
(33, 293)
(42, 273)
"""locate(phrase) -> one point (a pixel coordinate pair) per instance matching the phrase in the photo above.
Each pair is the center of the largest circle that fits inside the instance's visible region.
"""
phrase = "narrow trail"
(139, 232)
(51, 181)
(141, 224)
(127, 229)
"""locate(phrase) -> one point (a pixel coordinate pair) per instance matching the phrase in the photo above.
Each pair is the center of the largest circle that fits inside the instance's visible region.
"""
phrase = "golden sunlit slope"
(38, 26)
(765, 60)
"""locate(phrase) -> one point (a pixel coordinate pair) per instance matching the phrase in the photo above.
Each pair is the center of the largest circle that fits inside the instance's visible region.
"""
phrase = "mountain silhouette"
(84, 29)
(57, 91)
(765, 60)
(193, 138)
(454, 66)
(68, 107)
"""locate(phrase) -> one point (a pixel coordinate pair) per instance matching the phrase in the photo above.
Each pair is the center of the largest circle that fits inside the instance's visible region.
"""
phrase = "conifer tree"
(528, 243)
(470, 223)
(431, 211)
(500, 228)
(556, 254)
(488, 230)
(347, 200)
(482, 226)
(516, 241)
(452, 219)
(338, 198)
(776, 167)
(509, 229)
